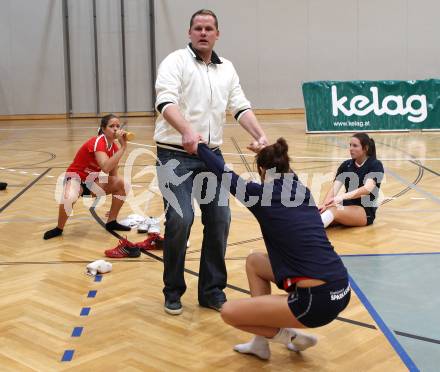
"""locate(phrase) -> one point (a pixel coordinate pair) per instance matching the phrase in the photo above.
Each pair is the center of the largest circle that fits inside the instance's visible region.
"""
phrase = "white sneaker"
(132, 220)
(154, 226)
(149, 225)
(143, 227)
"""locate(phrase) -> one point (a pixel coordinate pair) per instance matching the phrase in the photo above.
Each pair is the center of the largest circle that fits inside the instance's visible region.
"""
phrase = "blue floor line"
(67, 356)
(384, 328)
(77, 331)
(389, 254)
(85, 311)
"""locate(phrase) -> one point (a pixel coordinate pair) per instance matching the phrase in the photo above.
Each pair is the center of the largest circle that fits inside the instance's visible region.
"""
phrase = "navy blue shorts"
(370, 212)
(371, 215)
(318, 306)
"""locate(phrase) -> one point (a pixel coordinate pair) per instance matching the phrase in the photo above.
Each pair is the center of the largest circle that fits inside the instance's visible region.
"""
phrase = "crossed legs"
(349, 215)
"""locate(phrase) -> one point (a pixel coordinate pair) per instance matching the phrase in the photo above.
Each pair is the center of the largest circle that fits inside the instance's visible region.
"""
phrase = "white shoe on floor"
(132, 220)
(143, 227)
(154, 227)
(149, 225)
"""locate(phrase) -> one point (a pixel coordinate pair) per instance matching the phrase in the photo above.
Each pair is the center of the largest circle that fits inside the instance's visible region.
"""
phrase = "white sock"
(302, 342)
(327, 218)
(258, 346)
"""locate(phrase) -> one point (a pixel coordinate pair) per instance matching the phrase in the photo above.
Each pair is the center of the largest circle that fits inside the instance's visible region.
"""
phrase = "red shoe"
(154, 241)
(124, 249)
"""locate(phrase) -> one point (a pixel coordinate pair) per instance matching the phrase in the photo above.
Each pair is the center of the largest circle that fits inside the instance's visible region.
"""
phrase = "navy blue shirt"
(295, 238)
(354, 177)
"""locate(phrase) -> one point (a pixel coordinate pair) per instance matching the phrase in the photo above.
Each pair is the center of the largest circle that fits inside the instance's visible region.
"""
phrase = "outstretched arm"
(369, 186)
(168, 92)
(250, 123)
(331, 194)
(190, 138)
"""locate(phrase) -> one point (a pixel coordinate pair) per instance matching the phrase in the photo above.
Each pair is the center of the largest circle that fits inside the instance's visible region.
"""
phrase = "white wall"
(274, 45)
(31, 64)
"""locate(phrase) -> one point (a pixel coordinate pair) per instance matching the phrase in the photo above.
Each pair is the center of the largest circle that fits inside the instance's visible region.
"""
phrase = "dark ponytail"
(275, 156)
(372, 149)
(367, 143)
(104, 121)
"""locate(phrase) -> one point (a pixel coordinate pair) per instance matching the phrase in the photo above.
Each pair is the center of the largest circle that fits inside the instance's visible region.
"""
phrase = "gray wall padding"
(274, 45)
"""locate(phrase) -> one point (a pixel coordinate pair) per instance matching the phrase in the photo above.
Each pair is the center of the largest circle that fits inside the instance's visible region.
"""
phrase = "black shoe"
(52, 233)
(173, 307)
(3, 185)
(217, 306)
(116, 226)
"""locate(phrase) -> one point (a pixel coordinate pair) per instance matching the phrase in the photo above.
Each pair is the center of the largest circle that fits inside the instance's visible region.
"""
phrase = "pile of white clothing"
(143, 224)
(98, 267)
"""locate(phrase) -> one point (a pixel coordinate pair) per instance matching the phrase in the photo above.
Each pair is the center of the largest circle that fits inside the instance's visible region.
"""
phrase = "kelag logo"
(415, 106)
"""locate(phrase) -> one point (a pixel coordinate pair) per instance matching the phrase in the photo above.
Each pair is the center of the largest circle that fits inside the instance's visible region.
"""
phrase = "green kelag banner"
(337, 106)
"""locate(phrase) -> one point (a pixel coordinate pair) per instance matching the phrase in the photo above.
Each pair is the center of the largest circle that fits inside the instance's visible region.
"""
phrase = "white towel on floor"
(98, 267)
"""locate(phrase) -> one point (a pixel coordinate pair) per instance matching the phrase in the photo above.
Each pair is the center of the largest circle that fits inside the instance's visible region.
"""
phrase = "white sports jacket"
(202, 92)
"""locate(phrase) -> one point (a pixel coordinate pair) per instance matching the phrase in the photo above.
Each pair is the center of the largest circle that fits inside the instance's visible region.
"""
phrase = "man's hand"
(190, 140)
(263, 141)
(257, 145)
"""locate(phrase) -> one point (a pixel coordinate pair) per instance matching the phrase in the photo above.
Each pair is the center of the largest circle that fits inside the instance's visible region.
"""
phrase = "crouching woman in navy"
(299, 259)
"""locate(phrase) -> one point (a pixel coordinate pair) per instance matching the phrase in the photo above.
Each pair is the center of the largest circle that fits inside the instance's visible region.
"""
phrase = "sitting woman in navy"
(299, 259)
(361, 176)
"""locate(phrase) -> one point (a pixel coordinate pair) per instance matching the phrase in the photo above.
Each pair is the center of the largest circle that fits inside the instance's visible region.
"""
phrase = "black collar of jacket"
(214, 57)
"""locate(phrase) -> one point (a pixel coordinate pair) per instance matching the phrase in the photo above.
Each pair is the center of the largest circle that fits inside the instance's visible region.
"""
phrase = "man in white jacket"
(195, 88)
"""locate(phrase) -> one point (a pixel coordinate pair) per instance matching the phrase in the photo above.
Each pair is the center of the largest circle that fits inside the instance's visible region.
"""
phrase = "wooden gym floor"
(45, 291)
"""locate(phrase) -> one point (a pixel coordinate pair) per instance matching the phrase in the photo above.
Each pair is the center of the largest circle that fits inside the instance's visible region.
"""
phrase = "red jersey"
(85, 162)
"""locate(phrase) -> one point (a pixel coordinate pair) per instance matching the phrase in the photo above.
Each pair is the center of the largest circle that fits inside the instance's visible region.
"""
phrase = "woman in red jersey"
(99, 153)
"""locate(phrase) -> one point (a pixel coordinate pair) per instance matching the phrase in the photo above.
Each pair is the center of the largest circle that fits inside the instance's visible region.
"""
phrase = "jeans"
(180, 181)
